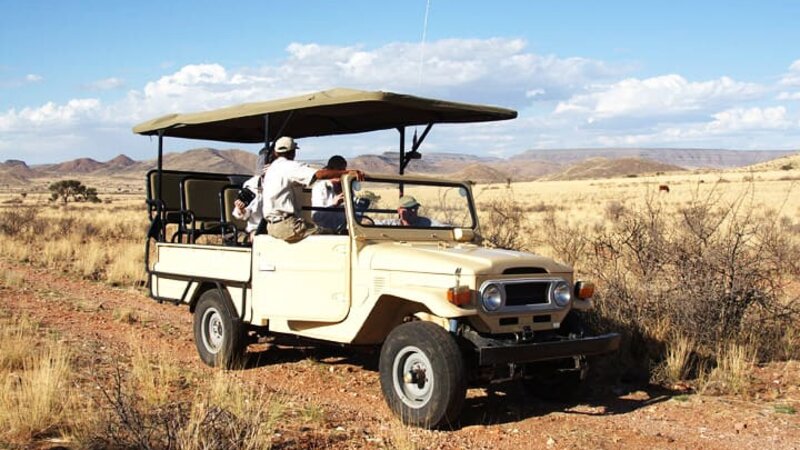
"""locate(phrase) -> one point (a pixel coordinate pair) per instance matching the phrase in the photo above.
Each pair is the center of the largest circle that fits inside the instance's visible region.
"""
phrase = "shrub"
(505, 225)
(715, 271)
(73, 190)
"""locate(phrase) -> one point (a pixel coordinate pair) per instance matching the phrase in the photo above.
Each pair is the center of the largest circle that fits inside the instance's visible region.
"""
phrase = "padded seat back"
(171, 189)
(201, 197)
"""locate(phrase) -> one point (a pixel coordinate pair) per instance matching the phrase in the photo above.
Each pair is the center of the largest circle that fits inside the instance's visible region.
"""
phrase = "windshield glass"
(395, 204)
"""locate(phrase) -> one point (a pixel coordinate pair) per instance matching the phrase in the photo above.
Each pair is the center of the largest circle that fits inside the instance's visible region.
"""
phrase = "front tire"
(422, 375)
(218, 335)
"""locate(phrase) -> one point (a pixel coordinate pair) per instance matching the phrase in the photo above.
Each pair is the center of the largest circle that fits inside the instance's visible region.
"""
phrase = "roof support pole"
(402, 131)
(264, 153)
(406, 158)
(417, 142)
(159, 185)
(160, 162)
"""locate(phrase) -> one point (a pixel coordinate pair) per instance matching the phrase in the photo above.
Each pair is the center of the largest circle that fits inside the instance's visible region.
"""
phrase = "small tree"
(73, 190)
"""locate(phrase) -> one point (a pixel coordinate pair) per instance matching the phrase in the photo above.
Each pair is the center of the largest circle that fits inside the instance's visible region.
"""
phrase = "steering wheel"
(342, 228)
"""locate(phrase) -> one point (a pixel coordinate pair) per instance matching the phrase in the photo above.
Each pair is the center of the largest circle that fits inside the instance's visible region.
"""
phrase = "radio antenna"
(422, 46)
(422, 54)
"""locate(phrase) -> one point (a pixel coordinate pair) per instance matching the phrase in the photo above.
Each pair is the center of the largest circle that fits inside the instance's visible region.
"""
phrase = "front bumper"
(493, 351)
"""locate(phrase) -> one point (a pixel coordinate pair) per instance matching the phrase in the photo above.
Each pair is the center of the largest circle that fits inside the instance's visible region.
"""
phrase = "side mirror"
(463, 234)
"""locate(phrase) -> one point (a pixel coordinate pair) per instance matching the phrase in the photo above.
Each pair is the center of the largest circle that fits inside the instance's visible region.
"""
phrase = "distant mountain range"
(529, 165)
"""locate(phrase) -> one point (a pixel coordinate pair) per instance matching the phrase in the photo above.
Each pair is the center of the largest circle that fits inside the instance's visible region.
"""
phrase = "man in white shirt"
(281, 208)
(328, 194)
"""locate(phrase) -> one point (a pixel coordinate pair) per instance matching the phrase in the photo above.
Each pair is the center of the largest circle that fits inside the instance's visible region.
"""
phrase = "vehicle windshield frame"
(351, 210)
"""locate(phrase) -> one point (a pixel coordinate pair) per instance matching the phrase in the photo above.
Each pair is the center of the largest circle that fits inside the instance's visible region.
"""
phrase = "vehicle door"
(307, 281)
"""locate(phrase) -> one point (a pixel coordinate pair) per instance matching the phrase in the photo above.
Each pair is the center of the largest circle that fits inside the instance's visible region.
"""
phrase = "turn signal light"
(459, 296)
(584, 290)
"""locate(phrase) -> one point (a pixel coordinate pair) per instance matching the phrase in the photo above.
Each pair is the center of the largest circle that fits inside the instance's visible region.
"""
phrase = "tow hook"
(526, 335)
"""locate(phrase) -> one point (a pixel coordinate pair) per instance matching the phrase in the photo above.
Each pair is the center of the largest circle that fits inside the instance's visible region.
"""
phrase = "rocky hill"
(611, 168)
(529, 165)
(687, 158)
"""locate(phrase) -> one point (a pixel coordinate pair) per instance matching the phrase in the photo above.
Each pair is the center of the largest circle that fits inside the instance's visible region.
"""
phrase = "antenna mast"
(422, 46)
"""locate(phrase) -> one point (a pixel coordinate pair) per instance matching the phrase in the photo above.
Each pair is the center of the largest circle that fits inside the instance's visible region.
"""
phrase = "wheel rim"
(412, 376)
(212, 329)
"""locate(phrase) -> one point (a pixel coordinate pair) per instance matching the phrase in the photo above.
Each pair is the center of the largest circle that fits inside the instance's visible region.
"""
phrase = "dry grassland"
(752, 219)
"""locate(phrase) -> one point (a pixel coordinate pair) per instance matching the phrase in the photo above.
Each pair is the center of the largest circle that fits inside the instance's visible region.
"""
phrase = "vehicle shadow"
(281, 349)
(511, 402)
(498, 404)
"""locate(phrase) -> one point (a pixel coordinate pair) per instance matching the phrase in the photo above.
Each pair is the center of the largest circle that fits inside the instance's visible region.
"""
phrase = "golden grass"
(733, 371)
(36, 396)
(16, 343)
(11, 279)
(153, 378)
(678, 359)
(127, 265)
(105, 242)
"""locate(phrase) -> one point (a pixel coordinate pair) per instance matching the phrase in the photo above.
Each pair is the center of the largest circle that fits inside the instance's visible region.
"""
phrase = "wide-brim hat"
(407, 201)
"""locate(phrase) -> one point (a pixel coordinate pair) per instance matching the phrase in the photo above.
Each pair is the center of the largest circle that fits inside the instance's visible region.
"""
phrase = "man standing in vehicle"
(281, 208)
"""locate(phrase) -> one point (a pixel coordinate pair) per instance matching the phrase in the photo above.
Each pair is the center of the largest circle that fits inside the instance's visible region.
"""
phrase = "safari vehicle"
(446, 312)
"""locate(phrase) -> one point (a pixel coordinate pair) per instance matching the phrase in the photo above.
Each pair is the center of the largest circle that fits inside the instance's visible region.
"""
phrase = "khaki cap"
(285, 144)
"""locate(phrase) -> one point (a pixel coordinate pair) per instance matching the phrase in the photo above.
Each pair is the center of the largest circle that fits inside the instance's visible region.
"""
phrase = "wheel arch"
(206, 286)
(387, 313)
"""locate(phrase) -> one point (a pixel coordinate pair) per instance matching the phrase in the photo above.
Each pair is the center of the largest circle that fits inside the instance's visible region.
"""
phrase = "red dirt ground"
(344, 383)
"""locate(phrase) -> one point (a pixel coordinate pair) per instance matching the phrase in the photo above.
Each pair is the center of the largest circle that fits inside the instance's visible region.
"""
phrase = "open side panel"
(304, 281)
(204, 262)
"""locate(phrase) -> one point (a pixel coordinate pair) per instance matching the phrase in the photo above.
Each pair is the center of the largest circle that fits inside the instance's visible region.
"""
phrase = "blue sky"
(76, 76)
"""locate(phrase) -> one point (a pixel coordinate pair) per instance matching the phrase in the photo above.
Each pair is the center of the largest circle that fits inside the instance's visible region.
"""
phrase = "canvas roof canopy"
(331, 112)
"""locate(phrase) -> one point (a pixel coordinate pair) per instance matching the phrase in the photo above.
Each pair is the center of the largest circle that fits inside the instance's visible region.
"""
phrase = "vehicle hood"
(446, 258)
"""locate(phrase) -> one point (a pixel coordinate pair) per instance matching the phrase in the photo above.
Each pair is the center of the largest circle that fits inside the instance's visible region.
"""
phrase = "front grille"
(521, 294)
(523, 270)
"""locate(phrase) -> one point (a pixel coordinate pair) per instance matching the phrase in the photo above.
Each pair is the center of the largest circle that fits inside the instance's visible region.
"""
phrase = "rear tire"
(218, 335)
(422, 375)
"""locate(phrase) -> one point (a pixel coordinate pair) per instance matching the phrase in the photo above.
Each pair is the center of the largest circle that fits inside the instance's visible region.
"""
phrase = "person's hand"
(238, 204)
(357, 174)
(338, 199)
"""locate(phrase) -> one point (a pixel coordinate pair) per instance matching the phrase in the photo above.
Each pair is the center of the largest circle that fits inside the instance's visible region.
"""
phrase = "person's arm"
(330, 174)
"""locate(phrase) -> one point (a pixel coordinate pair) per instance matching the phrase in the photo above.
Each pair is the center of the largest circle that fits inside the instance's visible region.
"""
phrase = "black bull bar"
(493, 351)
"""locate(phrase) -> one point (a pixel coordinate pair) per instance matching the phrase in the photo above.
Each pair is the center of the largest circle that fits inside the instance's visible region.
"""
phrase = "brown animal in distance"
(663, 188)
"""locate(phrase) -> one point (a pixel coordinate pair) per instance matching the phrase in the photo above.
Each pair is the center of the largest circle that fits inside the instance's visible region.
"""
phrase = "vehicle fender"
(434, 300)
(395, 306)
(235, 312)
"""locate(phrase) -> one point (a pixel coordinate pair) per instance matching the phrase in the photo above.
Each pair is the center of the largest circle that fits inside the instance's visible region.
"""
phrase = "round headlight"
(492, 297)
(561, 293)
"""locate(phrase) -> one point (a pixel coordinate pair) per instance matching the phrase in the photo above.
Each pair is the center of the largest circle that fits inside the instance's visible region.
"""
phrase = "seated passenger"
(281, 208)
(251, 212)
(328, 194)
(407, 209)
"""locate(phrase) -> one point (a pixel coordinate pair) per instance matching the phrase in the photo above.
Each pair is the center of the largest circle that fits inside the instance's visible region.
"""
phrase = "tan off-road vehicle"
(446, 312)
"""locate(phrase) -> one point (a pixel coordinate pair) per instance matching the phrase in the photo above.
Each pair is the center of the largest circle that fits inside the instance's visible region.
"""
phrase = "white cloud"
(740, 119)
(33, 78)
(789, 96)
(106, 84)
(658, 96)
(792, 78)
(564, 102)
(731, 128)
(49, 115)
